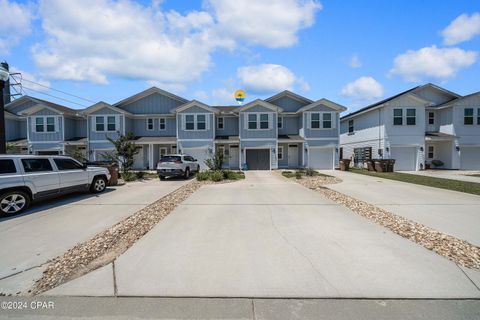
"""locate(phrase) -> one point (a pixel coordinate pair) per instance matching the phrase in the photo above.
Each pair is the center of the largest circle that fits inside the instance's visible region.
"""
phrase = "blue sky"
(351, 52)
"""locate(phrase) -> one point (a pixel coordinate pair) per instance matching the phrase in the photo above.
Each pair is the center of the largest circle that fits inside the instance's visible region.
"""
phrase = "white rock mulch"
(454, 249)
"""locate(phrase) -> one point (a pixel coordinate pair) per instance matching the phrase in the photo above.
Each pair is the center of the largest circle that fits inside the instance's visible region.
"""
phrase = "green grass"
(449, 184)
(474, 175)
(220, 175)
(303, 172)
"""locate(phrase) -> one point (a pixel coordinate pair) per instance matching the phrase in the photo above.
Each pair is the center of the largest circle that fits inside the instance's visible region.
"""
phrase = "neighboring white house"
(416, 127)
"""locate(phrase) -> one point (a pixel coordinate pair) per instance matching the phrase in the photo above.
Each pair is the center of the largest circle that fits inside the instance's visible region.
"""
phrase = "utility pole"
(4, 76)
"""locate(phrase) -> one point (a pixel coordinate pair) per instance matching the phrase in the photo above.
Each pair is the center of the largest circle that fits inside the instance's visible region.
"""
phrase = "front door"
(234, 160)
(293, 156)
(162, 151)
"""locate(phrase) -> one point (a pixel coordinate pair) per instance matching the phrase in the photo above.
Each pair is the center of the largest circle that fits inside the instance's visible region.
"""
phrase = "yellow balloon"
(240, 94)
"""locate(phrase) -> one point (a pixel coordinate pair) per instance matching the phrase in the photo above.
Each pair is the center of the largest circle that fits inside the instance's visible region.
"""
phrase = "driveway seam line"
(254, 316)
(115, 288)
(24, 270)
(466, 275)
(300, 253)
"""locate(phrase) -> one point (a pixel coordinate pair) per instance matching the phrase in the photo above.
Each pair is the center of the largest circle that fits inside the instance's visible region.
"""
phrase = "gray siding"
(258, 134)
(13, 129)
(153, 104)
(436, 96)
(288, 104)
(80, 127)
(105, 111)
(290, 125)
(75, 128)
(139, 127)
(187, 134)
(23, 106)
(45, 146)
(230, 127)
(45, 136)
(103, 135)
(323, 133)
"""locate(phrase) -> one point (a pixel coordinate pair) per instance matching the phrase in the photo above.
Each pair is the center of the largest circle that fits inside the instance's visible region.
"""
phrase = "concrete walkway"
(48, 229)
(269, 237)
(451, 212)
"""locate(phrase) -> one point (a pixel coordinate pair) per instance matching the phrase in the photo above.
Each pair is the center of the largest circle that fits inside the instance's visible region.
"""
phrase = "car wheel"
(98, 185)
(13, 202)
(187, 173)
(161, 178)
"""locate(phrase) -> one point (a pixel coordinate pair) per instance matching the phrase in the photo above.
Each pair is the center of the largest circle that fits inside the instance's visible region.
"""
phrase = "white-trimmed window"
(315, 121)
(196, 122)
(201, 122)
(280, 122)
(162, 124)
(397, 117)
(351, 126)
(105, 123)
(327, 120)
(258, 121)
(280, 152)
(264, 121)
(189, 122)
(468, 116)
(320, 120)
(430, 152)
(411, 117)
(149, 124)
(220, 123)
(431, 117)
(45, 124)
(252, 121)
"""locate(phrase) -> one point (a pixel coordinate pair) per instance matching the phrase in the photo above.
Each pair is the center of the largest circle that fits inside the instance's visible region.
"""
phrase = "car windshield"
(170, 158)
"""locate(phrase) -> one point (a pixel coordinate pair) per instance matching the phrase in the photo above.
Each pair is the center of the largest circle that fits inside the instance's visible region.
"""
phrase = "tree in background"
(125, 150)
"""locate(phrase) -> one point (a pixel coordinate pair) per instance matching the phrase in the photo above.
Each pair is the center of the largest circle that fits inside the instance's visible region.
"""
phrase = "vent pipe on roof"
(6, 90)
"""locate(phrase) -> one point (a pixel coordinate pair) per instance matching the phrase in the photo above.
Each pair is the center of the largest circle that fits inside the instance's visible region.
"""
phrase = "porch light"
(457, 148)
(421, 149)
(273, 150)
(336, 150)
(387, 149)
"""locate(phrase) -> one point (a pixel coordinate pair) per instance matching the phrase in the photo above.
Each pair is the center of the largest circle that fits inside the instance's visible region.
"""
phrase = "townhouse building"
(423, 127)
(283, 131)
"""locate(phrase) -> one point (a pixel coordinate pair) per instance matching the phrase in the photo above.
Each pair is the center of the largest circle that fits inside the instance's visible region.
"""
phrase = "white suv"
(24, 178)
(173, 165)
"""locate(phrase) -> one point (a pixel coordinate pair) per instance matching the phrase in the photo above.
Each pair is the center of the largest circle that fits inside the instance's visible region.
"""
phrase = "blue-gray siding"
(288, 104)
(139, 127)
(230, 127)
(152, 104)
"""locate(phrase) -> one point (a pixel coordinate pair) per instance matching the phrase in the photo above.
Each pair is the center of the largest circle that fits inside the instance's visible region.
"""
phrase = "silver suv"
(174, 165)
(25, 178)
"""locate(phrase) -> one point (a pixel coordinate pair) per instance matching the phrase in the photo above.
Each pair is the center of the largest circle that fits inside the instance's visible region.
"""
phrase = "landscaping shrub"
(437, 163)
(139, 175)
(216, 176)
(203, 175)
(233, 175)
(298, 174)
(129, 176)
(288, 174)
(310, 172)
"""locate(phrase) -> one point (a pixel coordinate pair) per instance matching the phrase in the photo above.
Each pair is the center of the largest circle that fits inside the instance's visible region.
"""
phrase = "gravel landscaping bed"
(109, 244)
(452, 248)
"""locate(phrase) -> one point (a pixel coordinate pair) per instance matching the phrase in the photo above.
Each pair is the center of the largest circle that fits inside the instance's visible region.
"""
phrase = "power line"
(50, 88)
(50, 95)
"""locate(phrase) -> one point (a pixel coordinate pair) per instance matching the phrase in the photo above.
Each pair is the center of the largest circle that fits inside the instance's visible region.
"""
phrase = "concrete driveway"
(451, 212)
(269, 237)
(50, 228)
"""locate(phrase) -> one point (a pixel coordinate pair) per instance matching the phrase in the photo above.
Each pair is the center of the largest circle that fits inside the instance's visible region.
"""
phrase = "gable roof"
(325, 102)
(260, 102)
(451, 102)
(99, 105)
(195, 103)
(146, 93)
(10, 115)
(59, 108)
(287, 93)
(434, 86)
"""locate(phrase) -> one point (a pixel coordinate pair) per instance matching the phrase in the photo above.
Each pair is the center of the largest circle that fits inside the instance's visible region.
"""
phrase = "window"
(67, 164)
(162, 123)
(263, 121)
(220, 122)
(411, 117)
(478, 116)
(99, 124)
(252, 121)
(280, 122)
(350, 126)
(36, 165)
(50, 124)
(327, 120)
(431, 152)
(315, 121)
(39, 124)
(280, 153)
(111, 125)
(397, 117)
(201, 122)
(431, 117)
(468, 116)
(189, 122)
(7, 166)
(149, 124)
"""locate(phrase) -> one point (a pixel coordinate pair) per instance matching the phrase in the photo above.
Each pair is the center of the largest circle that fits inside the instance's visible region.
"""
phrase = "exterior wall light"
(457, 148)
(421, 149)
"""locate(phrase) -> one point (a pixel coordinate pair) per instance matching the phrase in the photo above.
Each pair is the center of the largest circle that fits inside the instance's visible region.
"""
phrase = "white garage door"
(405, 158)
(470, 158)
(201, 154)
(320, 158)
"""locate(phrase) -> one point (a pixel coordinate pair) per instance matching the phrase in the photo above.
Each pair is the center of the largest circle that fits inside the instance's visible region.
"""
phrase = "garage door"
(320, 158)
(470, 158)
(258, 159)
(201, 154)
(405, 158)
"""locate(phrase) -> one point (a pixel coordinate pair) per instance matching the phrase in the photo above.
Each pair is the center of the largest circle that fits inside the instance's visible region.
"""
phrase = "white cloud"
(272, 23)
(363, 89)
(268, 78)
(432, 62)
(355, 62)
(30, 81)
(223, 96)
(92, 40)
(463, 28)
(15, 23)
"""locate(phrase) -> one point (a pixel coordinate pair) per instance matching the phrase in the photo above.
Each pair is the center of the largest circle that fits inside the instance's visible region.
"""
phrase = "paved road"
(269, 237)
(50, 228)
(245, 309)
(454, 213)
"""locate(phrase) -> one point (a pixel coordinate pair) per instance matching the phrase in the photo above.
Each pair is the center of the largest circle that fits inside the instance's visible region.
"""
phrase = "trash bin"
(391, 165)
(344, 164)
(371, 165)
(380, 165)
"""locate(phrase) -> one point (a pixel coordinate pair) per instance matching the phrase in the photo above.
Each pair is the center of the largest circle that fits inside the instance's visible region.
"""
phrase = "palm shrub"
(125, 150)
(215, 163)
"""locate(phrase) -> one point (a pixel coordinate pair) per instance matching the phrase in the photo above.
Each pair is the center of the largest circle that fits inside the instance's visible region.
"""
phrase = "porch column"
(150, 157)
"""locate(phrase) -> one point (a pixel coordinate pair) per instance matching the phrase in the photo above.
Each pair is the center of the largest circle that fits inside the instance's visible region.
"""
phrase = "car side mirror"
(195, 160)
(85, 166)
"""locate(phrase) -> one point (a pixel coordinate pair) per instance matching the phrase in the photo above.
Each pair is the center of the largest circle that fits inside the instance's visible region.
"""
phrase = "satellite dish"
(240, 96)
